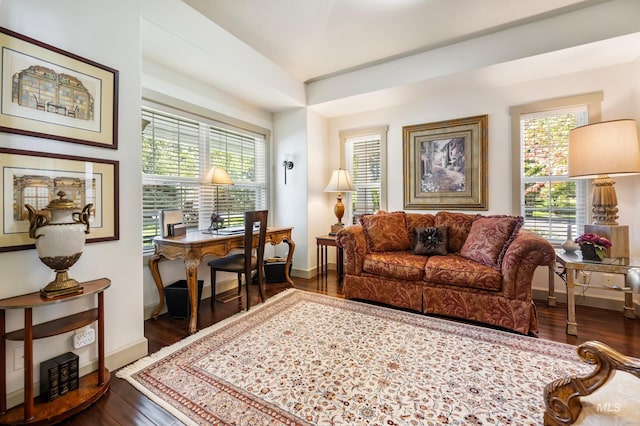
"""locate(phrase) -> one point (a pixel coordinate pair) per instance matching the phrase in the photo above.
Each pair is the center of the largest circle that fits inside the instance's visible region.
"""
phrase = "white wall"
(108, 33)
(469, 94)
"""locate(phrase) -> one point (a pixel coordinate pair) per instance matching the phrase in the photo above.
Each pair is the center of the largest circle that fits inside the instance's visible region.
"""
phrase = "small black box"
(274, 271)
(68, 372)
(49, 379)
(177, 296)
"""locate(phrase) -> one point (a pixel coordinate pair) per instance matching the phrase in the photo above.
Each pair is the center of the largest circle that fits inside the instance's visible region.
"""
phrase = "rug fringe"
(127, 371)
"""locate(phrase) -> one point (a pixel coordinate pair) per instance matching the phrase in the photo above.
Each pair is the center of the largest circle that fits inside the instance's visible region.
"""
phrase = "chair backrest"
(250, 219)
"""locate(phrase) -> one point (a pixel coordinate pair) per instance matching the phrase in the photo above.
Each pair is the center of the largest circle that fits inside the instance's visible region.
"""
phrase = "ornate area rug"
(303, 358)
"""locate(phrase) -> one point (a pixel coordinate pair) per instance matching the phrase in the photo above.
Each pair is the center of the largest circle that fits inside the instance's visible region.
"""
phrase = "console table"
(573, 262)
(91, 387)
(194, 246)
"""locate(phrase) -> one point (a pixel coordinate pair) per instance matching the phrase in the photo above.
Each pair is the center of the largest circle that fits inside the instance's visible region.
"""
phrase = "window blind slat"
(177, 152)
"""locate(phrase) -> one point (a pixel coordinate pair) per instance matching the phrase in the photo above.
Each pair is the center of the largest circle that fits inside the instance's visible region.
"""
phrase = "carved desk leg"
(292, 247)
(191, 268)
(155, 273)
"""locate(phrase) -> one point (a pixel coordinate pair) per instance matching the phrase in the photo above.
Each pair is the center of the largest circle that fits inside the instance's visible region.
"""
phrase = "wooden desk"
(321, 255)
(571, 263)
(193, 247)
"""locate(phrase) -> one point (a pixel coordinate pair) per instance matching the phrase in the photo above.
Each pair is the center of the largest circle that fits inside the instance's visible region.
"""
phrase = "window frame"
(592, 101)
(345, 136)
(207, 120)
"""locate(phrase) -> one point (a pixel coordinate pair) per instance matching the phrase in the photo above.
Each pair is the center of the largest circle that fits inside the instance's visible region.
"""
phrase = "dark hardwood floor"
(123, 405)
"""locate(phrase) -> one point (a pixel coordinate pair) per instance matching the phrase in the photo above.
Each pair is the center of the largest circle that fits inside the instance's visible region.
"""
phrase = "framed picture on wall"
(35, 178)
(445, 164)
(53, 94)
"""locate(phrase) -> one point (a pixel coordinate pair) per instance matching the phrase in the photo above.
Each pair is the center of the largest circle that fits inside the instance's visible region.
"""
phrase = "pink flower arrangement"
(600, 243)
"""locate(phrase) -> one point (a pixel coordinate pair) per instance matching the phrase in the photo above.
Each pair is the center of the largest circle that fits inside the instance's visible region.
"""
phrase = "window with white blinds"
(550, 201)
(177, 153)
(364, 158)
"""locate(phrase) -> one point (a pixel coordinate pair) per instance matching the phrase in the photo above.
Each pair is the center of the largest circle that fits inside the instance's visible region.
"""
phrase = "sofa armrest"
(351, 239)
(525, 253)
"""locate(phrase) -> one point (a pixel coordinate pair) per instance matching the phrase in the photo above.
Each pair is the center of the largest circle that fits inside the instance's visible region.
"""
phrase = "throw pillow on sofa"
(431, 241)
(386, 232)
(458, 227)
(490, 237)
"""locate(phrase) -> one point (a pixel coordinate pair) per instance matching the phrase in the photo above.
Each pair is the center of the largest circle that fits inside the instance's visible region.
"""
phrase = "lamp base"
(617, 234)
(335, 228)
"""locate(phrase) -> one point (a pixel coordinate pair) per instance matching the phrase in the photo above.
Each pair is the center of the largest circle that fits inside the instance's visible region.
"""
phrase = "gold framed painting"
(445, 164)
(34, 178)
(53, 94)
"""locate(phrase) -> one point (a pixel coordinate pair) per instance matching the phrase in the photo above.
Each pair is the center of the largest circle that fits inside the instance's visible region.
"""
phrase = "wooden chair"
(246, 262)
(574, 400)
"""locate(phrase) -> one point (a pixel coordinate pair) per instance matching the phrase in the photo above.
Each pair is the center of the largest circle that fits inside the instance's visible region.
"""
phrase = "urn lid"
(62, 203)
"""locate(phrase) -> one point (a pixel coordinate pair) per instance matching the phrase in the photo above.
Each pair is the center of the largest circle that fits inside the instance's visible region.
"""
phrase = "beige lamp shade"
(340, 182)
(607, 148)
(599, 151)
(218, 176)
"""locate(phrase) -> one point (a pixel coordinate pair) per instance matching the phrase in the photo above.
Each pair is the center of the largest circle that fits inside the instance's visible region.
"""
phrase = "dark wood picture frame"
(49, 93)
(445, 164)
(91, 179)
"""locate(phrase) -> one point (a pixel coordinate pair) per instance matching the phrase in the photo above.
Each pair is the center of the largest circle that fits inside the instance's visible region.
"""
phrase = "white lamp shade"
(606, 148)
(340, 182)
(218, 176)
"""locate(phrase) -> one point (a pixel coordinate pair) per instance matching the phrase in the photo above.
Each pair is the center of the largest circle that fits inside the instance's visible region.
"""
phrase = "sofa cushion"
(490, 237)
(417, 220)
(401, 265)
(386, 232)
(458, 227)
(430, 240)
(459, 271)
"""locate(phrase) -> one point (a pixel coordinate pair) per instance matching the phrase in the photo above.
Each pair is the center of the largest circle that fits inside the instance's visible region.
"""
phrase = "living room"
(595, 50)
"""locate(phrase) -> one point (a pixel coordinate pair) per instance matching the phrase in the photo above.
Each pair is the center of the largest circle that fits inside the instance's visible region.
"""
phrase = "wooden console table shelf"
(91, 387)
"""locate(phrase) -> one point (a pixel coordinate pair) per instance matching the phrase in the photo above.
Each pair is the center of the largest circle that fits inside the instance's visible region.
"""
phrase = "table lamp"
(340, 182)
(599, 151)
(217, 176)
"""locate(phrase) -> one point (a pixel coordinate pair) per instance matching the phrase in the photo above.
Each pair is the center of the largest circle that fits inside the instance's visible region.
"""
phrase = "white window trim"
(361, 132)
(591, 100)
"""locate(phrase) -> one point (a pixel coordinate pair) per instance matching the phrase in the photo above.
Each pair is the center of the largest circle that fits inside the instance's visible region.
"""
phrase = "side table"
(573, 262)
(322, 243)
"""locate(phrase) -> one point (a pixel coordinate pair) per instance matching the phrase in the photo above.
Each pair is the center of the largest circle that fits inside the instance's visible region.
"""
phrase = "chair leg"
(260, 285)
(213, 288)
(247, 279)
(239, 284)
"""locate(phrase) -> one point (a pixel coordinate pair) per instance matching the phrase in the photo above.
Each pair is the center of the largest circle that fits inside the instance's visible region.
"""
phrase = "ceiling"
(311, 39)
(280, 54)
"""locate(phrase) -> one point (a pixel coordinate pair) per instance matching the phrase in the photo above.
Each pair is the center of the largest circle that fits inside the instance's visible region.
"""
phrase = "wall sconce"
(288, 165)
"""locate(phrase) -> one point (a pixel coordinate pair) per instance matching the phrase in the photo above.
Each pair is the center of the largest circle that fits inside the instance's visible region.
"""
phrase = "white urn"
(60, 232)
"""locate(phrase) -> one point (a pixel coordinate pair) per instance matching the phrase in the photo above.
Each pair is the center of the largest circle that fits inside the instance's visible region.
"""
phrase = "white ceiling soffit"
(315, 38)
(556, 35)
(178, 37)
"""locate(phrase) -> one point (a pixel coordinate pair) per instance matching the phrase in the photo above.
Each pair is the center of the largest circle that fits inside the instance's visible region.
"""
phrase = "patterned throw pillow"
(490, 237)
(431, 241)
(386, 232)
(458, 227)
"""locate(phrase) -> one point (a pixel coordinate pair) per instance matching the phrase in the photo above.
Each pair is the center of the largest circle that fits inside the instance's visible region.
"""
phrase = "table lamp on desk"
(217, 176)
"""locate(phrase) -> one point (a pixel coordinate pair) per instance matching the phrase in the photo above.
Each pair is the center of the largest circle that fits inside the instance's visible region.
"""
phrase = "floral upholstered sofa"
(475, 267)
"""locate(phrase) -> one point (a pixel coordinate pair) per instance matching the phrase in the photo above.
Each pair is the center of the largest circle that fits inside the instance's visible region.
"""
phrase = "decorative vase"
(60, 233)
(589, 252)
(570, 245)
